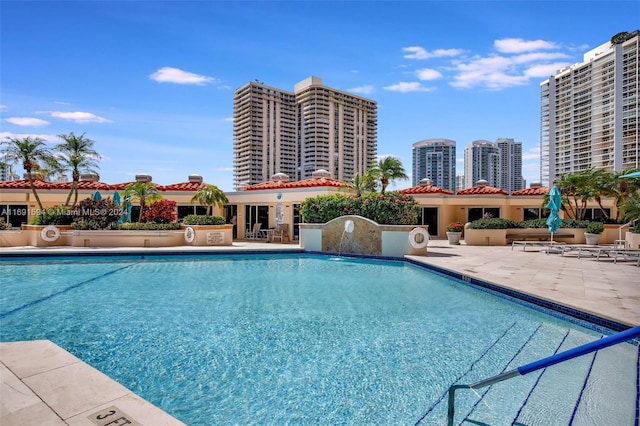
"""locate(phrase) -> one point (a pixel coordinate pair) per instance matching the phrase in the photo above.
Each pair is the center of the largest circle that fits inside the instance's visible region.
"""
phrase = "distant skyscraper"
(296, 133)
(435, 159)
(481, 161)
(590, 111)
(510, 171)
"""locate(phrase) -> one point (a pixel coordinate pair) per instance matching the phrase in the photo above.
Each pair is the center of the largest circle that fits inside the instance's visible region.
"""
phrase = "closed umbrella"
(127, 199)
(630, 175)
(555, 201)
(97, 196)
(117, 201)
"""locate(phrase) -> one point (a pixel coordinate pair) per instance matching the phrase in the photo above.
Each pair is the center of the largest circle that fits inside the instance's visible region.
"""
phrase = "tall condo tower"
(314, 127)
(481, 161)
(589, 111)
(435, 159)
(510, 172)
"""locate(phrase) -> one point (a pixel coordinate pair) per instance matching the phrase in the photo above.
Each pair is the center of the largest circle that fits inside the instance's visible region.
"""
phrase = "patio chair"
(281, 231)
(254, 232)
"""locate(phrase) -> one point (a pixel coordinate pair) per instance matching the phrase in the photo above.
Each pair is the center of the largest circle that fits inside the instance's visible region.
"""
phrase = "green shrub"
(573, 223)
(595, 228)
(101, 213)
(148, 226)
(636, 228)
(86, 225)
(495, 223)
(391, 208)
(198, 219)
(57, 215)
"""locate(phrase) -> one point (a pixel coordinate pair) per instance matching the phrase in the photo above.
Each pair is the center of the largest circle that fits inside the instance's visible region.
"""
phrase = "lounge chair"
(254, 232)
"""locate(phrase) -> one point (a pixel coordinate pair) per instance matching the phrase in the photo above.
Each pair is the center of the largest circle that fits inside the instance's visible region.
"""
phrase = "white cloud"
(3, 107)
(79, 117)
(545, 70)
(405, 87)
(365, 90)
(428, 74)
(532, 154)
(178, 76)
(518, 45)
(417, 52)
(27, 121)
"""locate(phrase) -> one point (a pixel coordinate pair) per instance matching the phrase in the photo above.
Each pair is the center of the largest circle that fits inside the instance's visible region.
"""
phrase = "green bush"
(495, 223)
(57, 215)
(198, 219)
(573, 223)
(595, 228)
(148, 226)
(391, 208)
(101, 213)
(86, 225)
(636, 228)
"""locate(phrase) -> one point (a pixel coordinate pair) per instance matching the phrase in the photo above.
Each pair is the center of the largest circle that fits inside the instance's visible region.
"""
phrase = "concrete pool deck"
(42, 384)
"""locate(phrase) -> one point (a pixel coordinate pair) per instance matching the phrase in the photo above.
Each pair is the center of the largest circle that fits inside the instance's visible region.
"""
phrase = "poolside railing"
(629, 334)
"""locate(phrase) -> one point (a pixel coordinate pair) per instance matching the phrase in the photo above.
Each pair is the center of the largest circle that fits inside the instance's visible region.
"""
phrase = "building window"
(475, 213)
(14, 214)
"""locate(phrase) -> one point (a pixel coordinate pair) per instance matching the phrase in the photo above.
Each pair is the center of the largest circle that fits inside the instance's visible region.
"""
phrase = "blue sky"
(152, 82)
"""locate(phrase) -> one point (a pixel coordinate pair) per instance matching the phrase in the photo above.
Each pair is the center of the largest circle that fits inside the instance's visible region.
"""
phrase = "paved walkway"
(41, 384)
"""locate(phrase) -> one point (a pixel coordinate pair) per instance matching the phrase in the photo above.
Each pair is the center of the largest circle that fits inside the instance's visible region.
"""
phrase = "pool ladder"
(629, 334)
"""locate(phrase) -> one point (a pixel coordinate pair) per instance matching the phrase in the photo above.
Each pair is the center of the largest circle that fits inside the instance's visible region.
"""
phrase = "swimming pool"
(304, 339)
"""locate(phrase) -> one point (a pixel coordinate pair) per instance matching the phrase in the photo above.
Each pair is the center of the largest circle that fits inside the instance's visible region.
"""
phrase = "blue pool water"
(303, 339)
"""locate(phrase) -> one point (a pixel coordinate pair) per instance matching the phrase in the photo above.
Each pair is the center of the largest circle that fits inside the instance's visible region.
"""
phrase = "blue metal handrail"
(629, 334)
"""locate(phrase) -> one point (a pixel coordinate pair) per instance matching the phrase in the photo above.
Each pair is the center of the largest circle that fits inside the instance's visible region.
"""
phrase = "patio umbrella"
(117, 201)
(97, 196)
(127, 215)
(630, 175)
(555, 201)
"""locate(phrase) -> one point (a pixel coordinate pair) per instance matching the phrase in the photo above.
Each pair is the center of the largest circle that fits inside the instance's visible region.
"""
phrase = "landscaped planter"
(633, 240)
(207, 235)
(358, 235)
(485, 237)
(117, 238)
(13, 238)
(46, 235)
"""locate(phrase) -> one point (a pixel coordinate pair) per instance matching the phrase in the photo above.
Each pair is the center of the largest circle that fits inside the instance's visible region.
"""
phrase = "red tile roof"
(425, 189)
(306, 183)
(24, 184)
(184, 186)
(481, 190)
(540, 190)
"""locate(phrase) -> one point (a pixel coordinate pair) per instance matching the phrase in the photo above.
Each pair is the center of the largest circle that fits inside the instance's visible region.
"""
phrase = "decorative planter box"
(46, 235)
(358, 235)
(207, 235)
(13, 238)
(113, 238)
(633, 240)
(485, 237)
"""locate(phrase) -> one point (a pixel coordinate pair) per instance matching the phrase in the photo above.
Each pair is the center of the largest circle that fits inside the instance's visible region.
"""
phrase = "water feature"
(347, 232)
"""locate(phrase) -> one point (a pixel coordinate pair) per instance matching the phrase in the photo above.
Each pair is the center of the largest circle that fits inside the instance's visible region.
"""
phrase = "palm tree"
(210, 195)
(33, 154)
(388, 170)
(77, 156)
(144, 192)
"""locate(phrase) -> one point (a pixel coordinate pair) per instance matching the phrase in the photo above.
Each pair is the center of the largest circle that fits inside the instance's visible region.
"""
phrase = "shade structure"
(97, 196)
(555, 201)
(630, 175)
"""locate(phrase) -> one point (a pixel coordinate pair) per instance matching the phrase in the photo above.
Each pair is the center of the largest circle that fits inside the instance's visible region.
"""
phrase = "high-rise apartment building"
(296, 133)
(590, 111)
(510, 172)
(435, 159)
(481, 161)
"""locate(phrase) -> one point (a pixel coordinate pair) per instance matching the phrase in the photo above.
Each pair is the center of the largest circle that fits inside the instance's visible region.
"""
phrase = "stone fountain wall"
(367, 238)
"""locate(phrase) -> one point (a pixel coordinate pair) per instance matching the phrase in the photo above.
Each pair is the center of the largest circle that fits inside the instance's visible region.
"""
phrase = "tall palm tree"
(77, 156)
(144, 192)
(388, 170)
(210, 195)
(32, 153)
